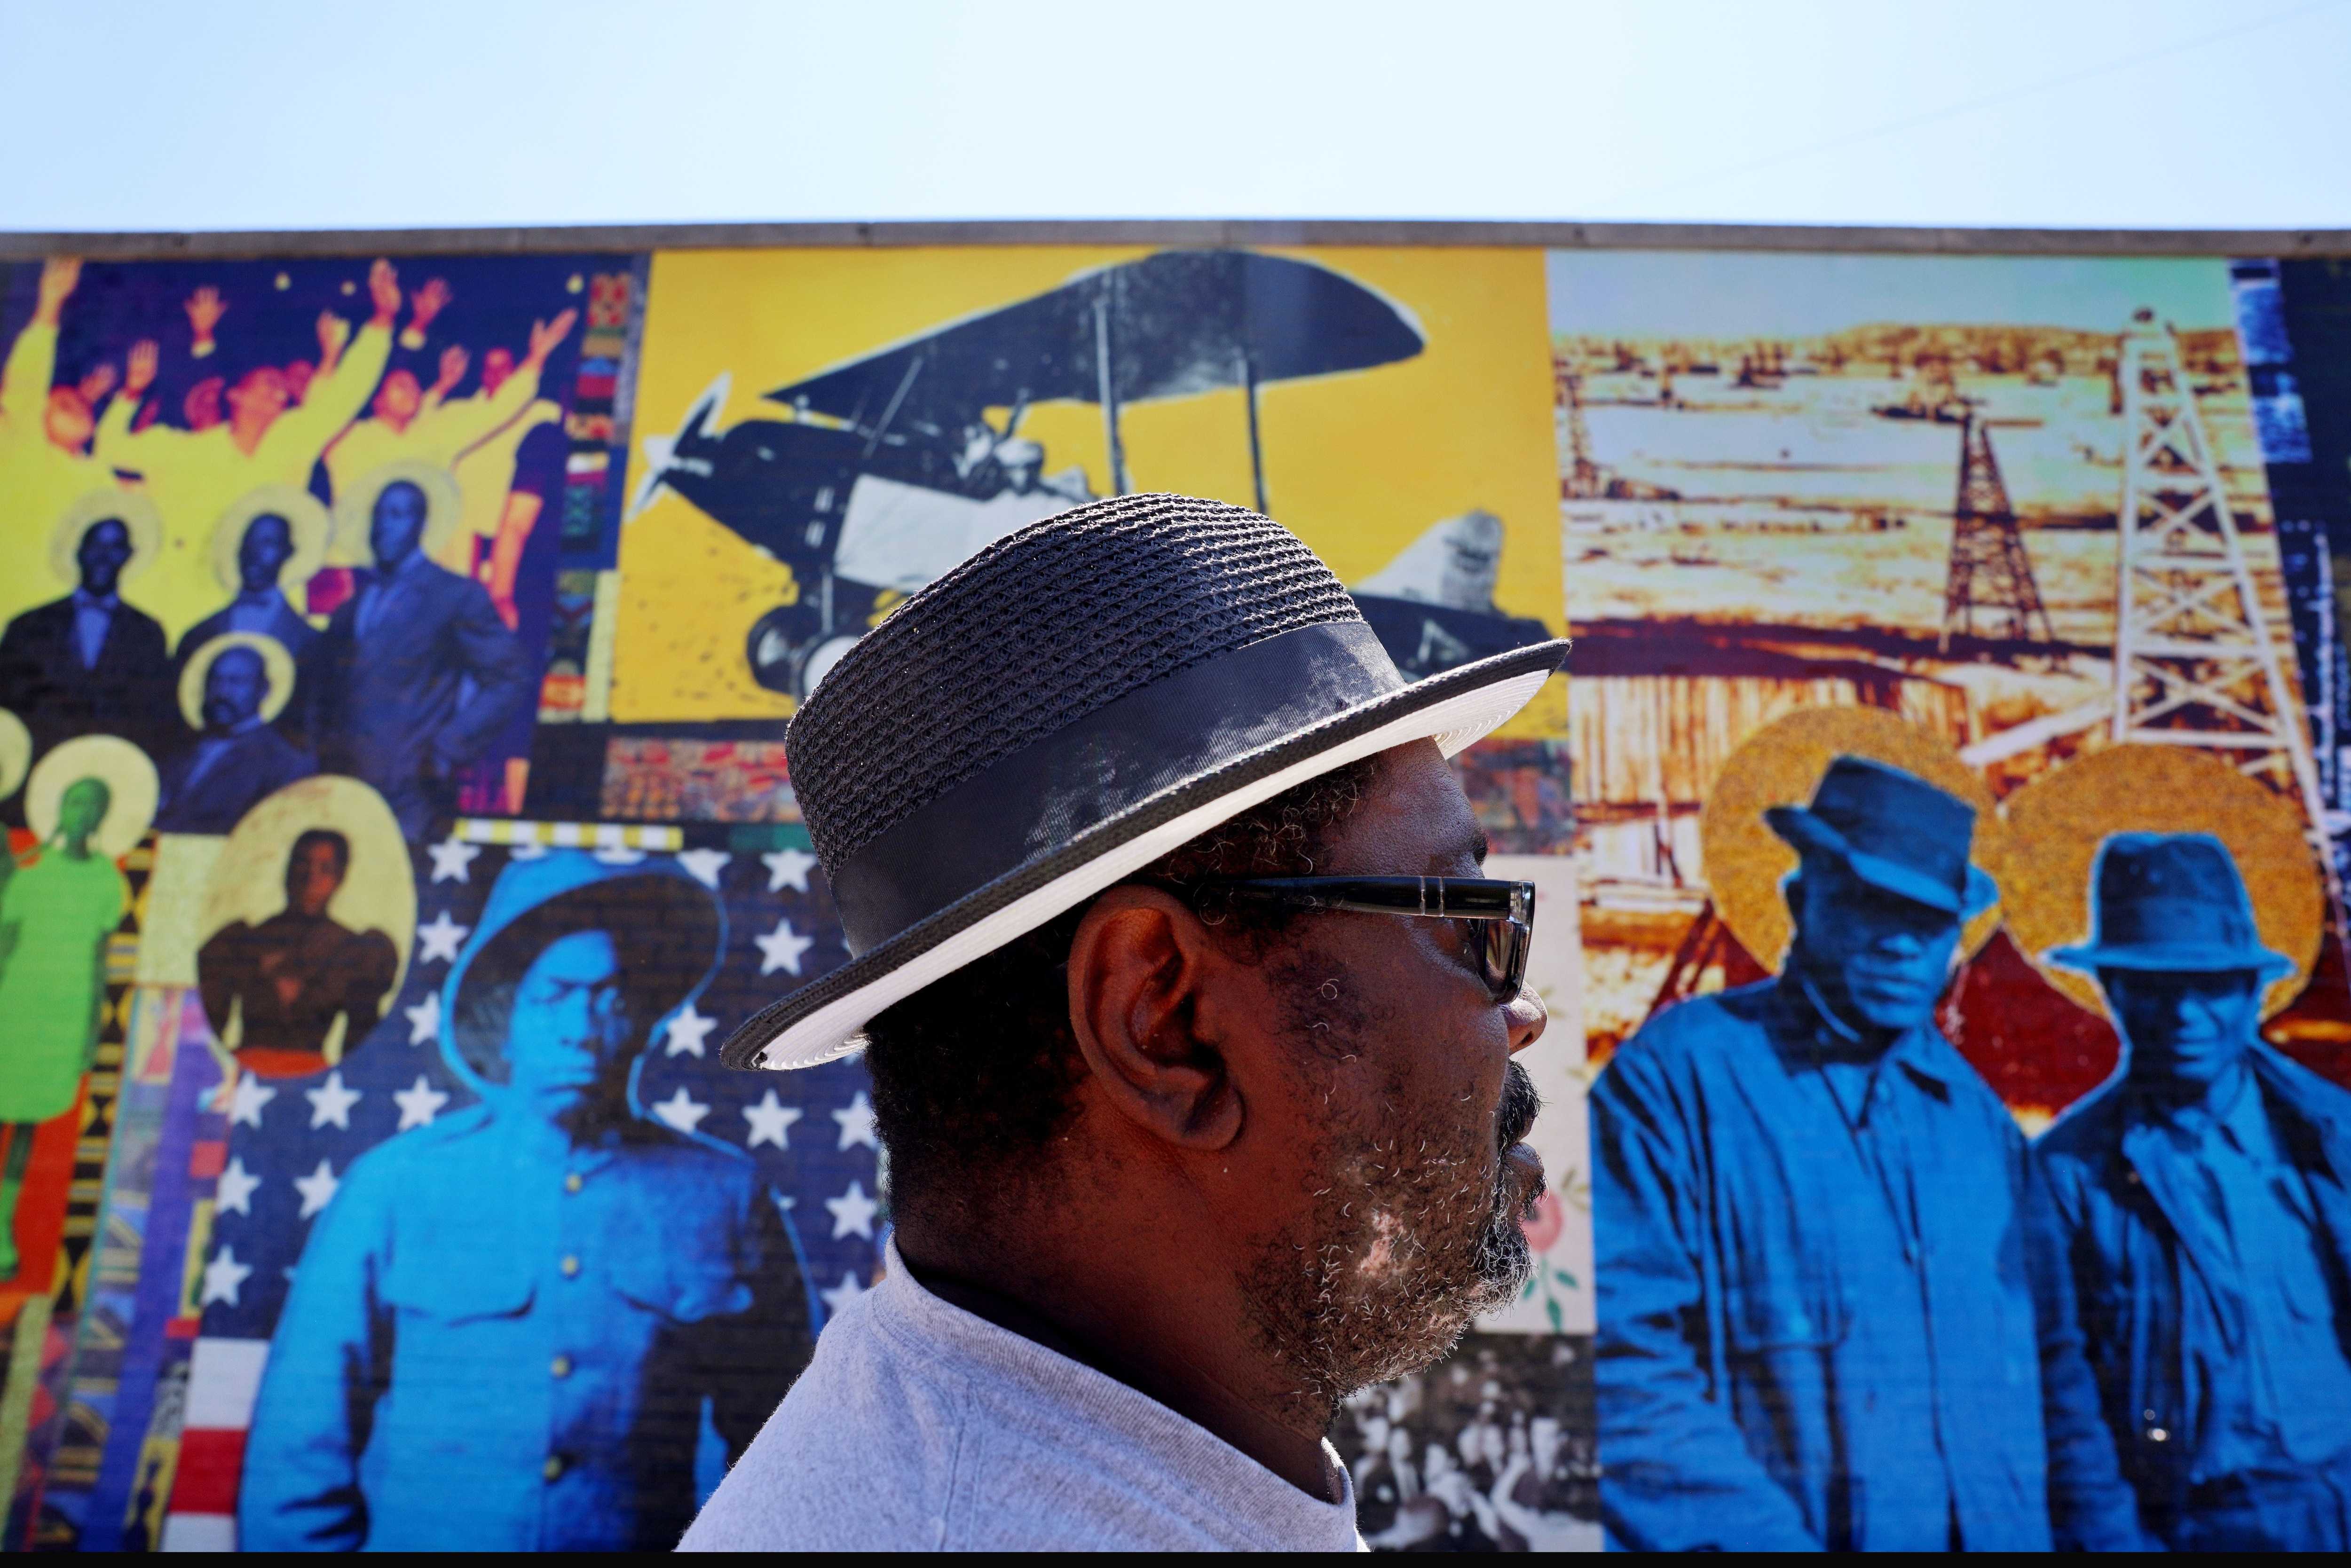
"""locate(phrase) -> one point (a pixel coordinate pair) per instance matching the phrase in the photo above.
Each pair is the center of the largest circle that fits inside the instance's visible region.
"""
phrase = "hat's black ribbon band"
(1041, 797)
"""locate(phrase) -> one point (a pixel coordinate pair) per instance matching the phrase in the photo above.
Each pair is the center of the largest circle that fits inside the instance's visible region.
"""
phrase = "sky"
(1743, 294)
(269, 114)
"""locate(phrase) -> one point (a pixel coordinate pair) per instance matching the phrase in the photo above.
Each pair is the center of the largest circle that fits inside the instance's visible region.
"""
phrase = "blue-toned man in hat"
(1815, 1325)
(509, 1327)
(2196, 1236)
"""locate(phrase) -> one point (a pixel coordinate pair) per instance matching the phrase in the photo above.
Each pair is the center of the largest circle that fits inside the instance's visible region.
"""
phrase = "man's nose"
(576, 1021)
(2195, 1009)
(1526, 1017)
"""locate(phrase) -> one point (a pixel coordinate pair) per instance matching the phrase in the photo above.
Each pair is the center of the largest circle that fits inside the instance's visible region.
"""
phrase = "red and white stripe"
(224, 1376)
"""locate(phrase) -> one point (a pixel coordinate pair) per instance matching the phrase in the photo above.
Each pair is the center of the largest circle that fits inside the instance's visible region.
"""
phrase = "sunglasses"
(1497, 918)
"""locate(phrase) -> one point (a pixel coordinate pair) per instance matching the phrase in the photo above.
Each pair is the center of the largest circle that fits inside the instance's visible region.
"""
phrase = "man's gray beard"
(1416, 1237)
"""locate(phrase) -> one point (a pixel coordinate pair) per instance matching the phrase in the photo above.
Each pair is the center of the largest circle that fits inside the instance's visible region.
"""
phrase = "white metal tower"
(2195, 664)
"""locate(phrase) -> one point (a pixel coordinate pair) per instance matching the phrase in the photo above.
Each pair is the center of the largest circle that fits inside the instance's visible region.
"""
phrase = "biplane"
(887, 471)
(880, 474)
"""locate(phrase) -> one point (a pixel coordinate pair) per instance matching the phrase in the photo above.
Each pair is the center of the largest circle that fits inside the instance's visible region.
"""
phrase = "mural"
(1960, 936)
(1947, 808)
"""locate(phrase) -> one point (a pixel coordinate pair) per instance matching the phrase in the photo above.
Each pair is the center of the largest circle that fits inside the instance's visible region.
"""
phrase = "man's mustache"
(1521, 1105)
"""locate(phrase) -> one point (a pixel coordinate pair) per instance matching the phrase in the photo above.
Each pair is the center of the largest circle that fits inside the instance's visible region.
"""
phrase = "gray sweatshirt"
(920, 1426)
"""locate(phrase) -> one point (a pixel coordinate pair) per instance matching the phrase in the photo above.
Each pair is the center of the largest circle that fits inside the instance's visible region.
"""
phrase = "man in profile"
(260, 606)
(237, 759)
(505, 1332)
(1815, 1329)
(89, 664)
(417, 674)
(2195, 1237)
(1191, 1015)
(289, 977)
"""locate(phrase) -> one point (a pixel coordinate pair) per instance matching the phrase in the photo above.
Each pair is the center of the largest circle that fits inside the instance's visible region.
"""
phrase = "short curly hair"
(975, 1073)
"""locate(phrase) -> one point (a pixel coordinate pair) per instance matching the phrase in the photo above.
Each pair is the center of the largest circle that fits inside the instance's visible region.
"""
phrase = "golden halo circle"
(379, 891)
(355, 509)
(16, 752)
(2056, 823)
(137, 512)
(1780, 765)
(130, 779)
(306, 521)
(278, 663)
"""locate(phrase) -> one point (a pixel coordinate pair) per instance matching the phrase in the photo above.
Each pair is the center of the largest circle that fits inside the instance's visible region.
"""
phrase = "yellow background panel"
(1358, 464)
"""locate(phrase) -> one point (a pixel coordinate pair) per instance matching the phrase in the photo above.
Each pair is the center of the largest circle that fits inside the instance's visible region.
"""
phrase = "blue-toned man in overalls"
(2197, 1232)
(1816, 1328)
(509, 1328)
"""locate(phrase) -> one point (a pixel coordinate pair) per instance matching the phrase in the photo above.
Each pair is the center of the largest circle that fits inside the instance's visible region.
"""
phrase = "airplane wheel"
(779, 645)
(820, 661)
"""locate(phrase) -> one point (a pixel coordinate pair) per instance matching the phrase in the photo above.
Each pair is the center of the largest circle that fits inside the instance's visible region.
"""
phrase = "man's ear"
(1137, 965)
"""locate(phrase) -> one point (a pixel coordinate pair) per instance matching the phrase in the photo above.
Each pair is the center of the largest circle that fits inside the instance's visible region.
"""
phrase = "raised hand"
(96, 384)
(59, 276)
(428, 302)
(453, 360)
(139, 373)
(546, 335)
(205, 308)
(383, 288)
(423, 306)
(333, 333)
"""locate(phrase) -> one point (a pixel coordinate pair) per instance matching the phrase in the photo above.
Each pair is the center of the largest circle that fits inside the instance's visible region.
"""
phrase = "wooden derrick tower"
(1580, 477)
(1990, 592)
(2195, 662)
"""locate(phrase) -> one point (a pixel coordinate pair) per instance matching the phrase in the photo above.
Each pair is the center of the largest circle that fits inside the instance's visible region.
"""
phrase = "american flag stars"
(224, 1277)
(292, 1142)
(419, 1104)
(452, 859)
(771, 1122)
(235, 1195)
(856, 1121)
(852, 1212)
(688, 1030)
(782, 949)
(245, 1103)
(439, 940)
(704, 866)
(681, 1110)
(330, 1102)
(318, 1190)
(424, 1019)
(841, 1295)
(788, 868)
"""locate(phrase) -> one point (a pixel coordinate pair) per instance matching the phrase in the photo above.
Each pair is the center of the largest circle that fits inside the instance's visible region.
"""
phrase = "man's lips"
(1528, 1166)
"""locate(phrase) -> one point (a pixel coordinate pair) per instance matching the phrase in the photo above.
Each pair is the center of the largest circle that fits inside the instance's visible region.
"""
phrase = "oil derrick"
(2195, 664)
(1580, 477)
(1990, 592)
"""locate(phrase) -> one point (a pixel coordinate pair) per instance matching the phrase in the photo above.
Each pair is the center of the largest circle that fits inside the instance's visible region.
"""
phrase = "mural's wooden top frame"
(21, 246)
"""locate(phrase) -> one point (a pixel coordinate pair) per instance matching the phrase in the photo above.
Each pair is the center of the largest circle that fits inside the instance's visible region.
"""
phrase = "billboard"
(394, 646)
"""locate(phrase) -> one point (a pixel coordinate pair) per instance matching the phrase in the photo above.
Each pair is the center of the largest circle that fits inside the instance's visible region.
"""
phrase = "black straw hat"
(1065, 708)
(1894, 831)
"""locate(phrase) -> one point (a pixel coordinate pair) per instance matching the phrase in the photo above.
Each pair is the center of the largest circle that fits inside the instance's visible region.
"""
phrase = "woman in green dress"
(55, 914)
